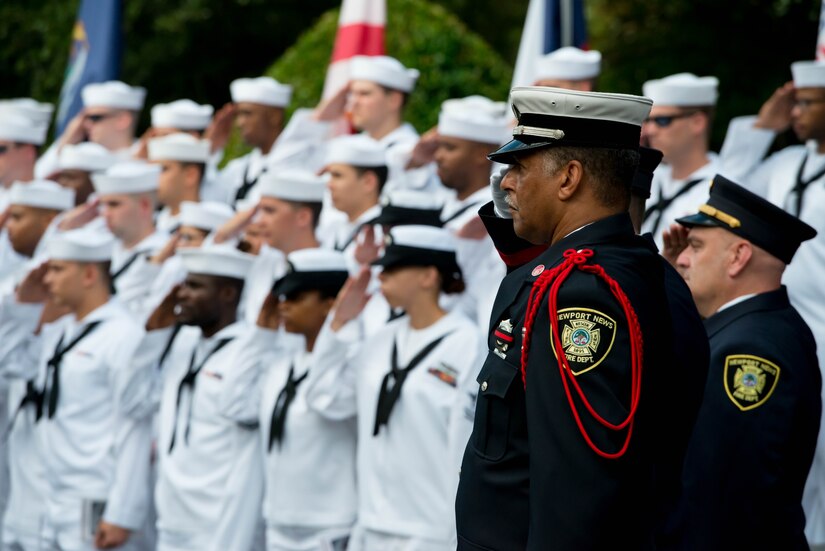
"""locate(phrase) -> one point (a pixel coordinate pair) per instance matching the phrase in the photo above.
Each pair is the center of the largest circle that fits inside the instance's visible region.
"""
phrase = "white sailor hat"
(554, 116)
(179, 147)
(417, 245)
(40, 113)
(313, 269)
(15, 127)
(127, 178)
(474, 118)
(682, 89)
(292, 185)
(262, 90)
(808, 74)
(358, 150)
(183, 114)
(81, 245)
(569, 63)
(114, 94)
(206, 215)
(42, 194)
(85, 156)
(409, 207)
(217, 260)
(383, 70)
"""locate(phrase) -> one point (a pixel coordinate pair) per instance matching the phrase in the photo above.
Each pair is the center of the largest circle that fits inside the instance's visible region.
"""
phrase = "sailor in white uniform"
(109, 118)
(209, 487)
(309, 456)
(183, 160)
(95, 451)
(128, 197)
(32, 207)
(77, 163)
(568, 67)
(411, 386)
(260, 105)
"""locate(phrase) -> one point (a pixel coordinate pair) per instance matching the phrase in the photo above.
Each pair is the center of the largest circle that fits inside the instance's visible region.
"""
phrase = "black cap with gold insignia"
(558, 117)
(739, 211)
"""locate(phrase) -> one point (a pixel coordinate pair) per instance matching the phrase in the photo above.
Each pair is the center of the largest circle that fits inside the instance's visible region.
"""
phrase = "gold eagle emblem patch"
(586, 337)
(749, 380)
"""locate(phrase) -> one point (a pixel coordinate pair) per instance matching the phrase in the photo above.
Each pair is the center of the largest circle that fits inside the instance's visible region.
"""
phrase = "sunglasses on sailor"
(97, 117)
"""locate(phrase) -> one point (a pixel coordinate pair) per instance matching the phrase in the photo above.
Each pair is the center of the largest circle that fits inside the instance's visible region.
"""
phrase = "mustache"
(510, 202)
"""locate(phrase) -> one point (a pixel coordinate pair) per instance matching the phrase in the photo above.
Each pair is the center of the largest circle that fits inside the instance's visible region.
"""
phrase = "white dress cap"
(81, 245)
(40, 113)
(217, 260)
(569, 63)
(114, 94)
(383, 70)
(808, 74)
(183, 114)
(359, 150)
(207, 215)
(42, 194)
(317, 260)
(423, 237)
(262, 90)
(292, 185)
(15, 127)
(85, 156)
(475, 118)
(682, 89)
(179, 147)
(126, 178)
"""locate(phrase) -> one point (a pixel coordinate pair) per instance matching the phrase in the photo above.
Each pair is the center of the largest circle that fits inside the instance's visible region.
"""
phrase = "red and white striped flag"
(360, 32)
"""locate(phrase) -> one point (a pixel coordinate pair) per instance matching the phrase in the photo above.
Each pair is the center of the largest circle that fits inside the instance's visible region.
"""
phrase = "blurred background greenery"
(194, 48)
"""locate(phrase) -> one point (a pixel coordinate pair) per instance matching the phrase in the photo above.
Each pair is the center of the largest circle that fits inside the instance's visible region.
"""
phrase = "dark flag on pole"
(94, 56)
(549, 25)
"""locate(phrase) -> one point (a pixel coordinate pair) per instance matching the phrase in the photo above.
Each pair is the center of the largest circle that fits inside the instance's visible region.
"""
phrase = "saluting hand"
(32, 290)
(4, 217)
(164, 315)
(270, 316)
(235, 225)
(74, 132)
(333, 108)
(109, 536)
(775, 114)
(675, 241)
(221, 127)
(351, 299)
(79, 216)
(167, 251)
(366, 249)
(424, 151)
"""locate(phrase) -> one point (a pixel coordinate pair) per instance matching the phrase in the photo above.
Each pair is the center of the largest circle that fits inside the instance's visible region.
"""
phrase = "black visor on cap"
(392, 215)
(296, 282)
(400, 256)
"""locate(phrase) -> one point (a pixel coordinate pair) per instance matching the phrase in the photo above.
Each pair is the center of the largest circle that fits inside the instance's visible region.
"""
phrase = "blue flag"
(549, 25)
(95, 54)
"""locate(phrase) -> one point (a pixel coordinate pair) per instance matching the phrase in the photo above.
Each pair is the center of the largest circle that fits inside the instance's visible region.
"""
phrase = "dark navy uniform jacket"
(755, 437)
(551, 490)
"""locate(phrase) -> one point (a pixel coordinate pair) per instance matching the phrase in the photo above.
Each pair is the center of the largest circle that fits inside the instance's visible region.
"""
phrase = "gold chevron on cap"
(723, 217)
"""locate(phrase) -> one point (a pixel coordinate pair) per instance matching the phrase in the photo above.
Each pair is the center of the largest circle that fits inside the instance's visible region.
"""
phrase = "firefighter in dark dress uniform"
(579, 422)
(755, 437)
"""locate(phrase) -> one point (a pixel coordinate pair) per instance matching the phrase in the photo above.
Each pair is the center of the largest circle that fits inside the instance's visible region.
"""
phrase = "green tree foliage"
(748, 44)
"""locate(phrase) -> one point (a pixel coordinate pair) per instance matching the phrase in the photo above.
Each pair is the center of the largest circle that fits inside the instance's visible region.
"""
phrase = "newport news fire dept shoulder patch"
(749, 380)
(586, 337)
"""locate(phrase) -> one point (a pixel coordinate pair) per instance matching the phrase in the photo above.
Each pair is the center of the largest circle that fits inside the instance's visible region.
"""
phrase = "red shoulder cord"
(553, 280)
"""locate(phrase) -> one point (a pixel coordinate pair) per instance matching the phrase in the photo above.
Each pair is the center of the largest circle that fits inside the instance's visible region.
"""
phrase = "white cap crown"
(85, 156)
(182, 114)
(358, 150)
(383, 70)
(569, 63)
(179, 147)
(682, 90)
(261, 90)
(475, 118)
(207, 215)
(808, 74)
(217, 260)
(40, 113)
(292, 185)
(15, 127)
(127, 178)
(43, 194)
(114, 94)
(81, 245)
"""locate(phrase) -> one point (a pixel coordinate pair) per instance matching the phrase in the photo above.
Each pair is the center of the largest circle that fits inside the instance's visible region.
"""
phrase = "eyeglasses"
(806, 103)
(4, 149)
(97, 117)
(663, 121)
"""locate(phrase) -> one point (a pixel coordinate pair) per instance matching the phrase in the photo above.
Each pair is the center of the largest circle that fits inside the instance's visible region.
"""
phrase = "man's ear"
(570, 176)
(741, 254)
